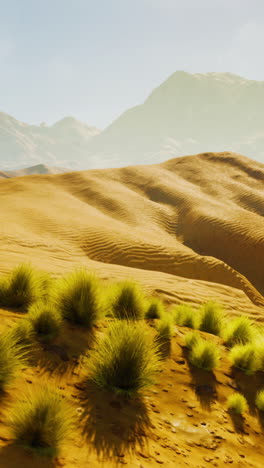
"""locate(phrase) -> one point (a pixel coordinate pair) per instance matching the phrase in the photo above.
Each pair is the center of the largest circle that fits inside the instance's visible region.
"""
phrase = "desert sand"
(187, 230)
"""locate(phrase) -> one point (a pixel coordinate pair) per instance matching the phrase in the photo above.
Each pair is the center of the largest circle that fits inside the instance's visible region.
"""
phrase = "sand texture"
(189, 229)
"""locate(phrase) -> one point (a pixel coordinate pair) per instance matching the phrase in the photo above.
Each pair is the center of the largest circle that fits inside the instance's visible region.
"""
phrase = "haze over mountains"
(62, 144)
(38, 169)
(187, 114)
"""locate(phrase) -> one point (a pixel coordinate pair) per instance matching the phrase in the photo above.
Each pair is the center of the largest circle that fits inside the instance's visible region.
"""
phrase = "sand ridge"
(190, 228)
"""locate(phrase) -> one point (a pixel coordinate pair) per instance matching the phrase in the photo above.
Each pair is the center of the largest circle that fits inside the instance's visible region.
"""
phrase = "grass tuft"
(128, 301)
(164, 329)
(211, 318)
(260, 400)
(191, 339)
(259, 343)
(239, 331)
(24, 286)
(125, 360)
(41, 421)
(245, 358)
(45, 320)
(204, 355)
(185, 316)
(3, 290)
(12, 359)
(77, 298)
(155, 309)
(23, 333)
(237, 403)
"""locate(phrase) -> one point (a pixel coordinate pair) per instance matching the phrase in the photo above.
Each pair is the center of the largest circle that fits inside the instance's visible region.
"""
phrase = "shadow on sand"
(249, 385)
(112, 424)
(12, 456)
(238, 422)
(63, 355)
(203, 383)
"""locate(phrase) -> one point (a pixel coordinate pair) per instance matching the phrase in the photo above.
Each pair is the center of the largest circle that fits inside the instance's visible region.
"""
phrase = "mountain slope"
(38, 169)
(187, 114)
(190, 228)
(63, 144)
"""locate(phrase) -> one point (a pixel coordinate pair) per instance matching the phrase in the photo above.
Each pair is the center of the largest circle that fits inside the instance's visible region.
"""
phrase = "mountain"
(187, 114)
(62, 144)
(38, 169)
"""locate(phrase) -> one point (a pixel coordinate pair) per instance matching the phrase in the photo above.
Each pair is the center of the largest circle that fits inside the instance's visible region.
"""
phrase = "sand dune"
(189, 229)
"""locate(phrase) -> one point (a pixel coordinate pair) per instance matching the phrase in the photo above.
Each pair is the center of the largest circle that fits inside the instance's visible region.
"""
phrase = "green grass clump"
(237, 403)
(77, 298)
(244, 357)
(23, 333)
(41, 421)
(24, 286)
(185, 316)
(260, 400)
(12, 359)
(126, 359)
(46, 321)
(3, 290)
(155, 309)
(128, 301)
(191, 339)
(211, 318)
(239, 331)
(164, 329)
(204, 355)
(259, 343)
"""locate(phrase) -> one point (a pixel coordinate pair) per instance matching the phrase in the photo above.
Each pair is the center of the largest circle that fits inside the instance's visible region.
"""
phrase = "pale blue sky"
(93, 59)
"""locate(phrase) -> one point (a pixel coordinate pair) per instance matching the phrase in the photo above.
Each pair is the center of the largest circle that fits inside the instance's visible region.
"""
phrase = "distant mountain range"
(63, 144)
(187, 114)
(38, 169)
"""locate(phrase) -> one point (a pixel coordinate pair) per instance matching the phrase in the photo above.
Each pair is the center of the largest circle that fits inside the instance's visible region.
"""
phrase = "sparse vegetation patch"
(23, 287)
(128, 301)
(237, 403)
(41, 421)
(244, 357)
(239, 331)
(125, 360)
(12, 359)
(46, 321)
(191, 339)
(78, 298)
(204, 355)
(155, 309)
(185, 316)
(211, 318)
(260, 400)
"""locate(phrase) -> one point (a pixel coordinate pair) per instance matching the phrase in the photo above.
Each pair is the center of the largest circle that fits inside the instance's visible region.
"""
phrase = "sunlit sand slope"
(190, 228)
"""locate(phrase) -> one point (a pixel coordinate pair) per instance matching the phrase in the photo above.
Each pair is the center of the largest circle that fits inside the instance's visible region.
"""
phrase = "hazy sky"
(93, 59)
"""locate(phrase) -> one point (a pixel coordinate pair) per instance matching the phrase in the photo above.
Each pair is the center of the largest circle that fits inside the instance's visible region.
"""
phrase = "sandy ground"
(187, 230)
(181, 421)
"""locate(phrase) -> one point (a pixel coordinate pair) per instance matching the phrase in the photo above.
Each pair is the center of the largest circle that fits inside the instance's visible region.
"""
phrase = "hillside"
(189, 229)
(62, 144)
(187, 114)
